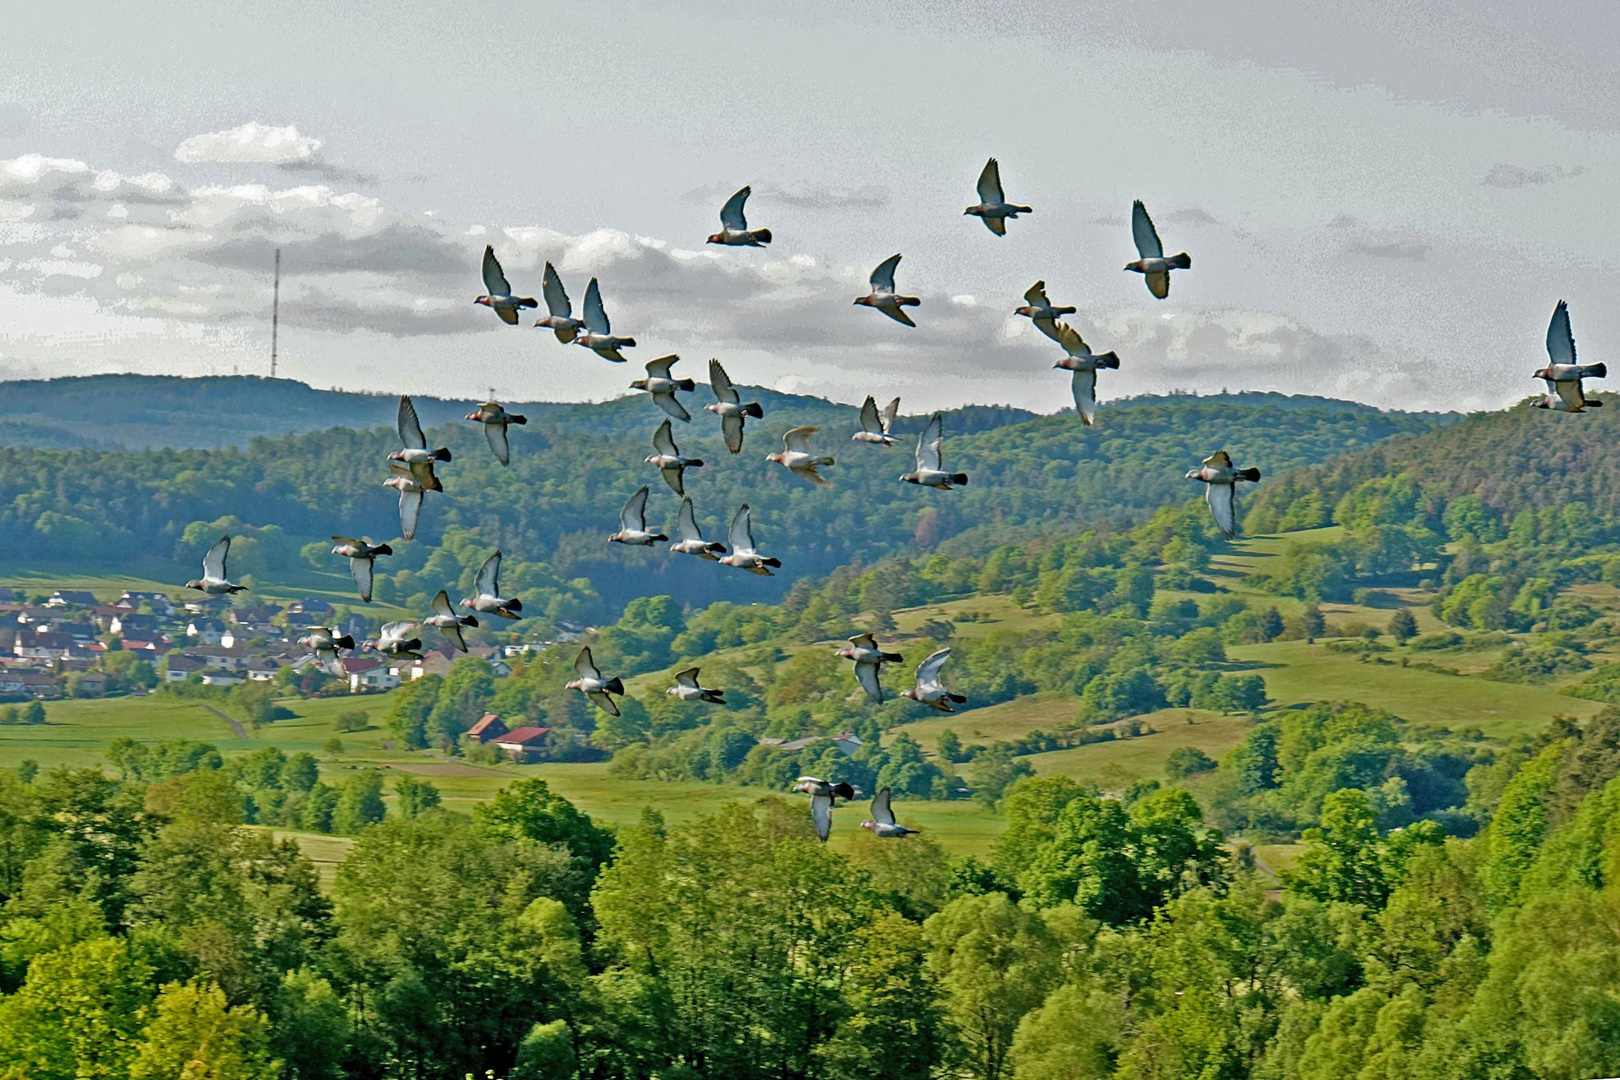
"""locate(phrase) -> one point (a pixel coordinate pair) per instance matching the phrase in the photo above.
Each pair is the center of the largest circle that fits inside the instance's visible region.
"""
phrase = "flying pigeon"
(495, 420)
(1152, 262)
(1563, 375)
(875, 426)
(415, 455)
(396, 641)
(598, 336)
(500, 299)
(930, 460)
(1039, 310)
(667, 456)
(410, 500)
(734, 230)
(361, 556)
(797, 458)
(869, 660)
(743, 556)
(324, 643)
(823, 797)
(662, 387)
(486, 598)
(449, 623)
(993, 207)
(881, 822)
(729, 407)
(1221, 493)
(689, 540)
(214, 580)
(560, 318)
(592, 685)
(884, 298)
(633, 522)
(686, 688)
(928, 690)
(1084, 365)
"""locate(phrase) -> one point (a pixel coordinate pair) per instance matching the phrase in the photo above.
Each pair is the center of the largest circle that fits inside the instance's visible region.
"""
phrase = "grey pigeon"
(361, 556)
(823, 797)
(324, 642)
(1565, 391)
(993, 208)
(1040, 311)
(662, 388)
(734, 230)
(598, 336)
(1152, 262)
(930, 470)
(500, 299)
(743, 554)
(687, 688)
(410, 500)
(633, 522)
(592, 685)
(214, 580)
(881, 823)
(729, 407)
(928, 690)
(883, 297)
(876, 426)
(796, 457)
(1221, 479)
(449, 623)
(495, 420)
(667, 456)
(486, 598)
(414, 453)
(560, 310)
(869, 660)
(1084, 365)
(396, 641)
(689, 539)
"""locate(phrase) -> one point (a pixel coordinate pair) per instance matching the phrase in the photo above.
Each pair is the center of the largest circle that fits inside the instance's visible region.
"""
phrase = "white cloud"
(252, 143)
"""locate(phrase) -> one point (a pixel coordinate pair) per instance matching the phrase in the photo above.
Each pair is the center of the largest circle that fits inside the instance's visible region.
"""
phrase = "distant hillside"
(136, 412)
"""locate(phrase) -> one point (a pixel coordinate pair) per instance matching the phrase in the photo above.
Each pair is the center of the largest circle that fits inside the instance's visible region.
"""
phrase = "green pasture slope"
(1294, 671)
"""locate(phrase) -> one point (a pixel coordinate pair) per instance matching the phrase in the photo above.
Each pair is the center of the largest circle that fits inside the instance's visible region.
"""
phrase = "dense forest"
(147, 932)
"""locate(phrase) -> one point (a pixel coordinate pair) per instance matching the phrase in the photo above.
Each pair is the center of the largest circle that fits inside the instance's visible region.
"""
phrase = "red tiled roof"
(485, 722)
(524, 735)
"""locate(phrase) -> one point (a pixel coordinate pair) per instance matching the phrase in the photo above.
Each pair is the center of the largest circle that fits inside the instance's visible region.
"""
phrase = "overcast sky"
(1383, 206)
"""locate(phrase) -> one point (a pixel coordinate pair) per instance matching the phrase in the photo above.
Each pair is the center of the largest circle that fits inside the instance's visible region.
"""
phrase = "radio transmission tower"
(275, 314)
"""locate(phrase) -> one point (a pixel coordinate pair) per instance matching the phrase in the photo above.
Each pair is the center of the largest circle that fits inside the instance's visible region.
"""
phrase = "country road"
(236, 725)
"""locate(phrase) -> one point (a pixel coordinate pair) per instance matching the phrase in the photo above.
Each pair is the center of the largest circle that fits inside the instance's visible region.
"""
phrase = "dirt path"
(236, 725)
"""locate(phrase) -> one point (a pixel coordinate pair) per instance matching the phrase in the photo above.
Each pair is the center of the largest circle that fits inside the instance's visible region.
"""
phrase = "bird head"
(713, 407)
(572, 685)
(650, 459)
(338, 550)
(909, 478)
(639, 384)
(1133, 266)
(847, 654)
(774, 457)
(466, 603)
(1544, 373)
(717, 238)
(616, 538)
(482, 300)
(910, 692)
(863, 301)
(1026, 311)
(1067, 363)
(397, 455)
(1195, 474)
(869, 824)
(476, 414)
(194, 584)
(1540, 403)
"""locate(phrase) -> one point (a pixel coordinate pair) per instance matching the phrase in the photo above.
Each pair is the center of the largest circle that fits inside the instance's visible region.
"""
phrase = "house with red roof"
(525, 744)
(488, 728)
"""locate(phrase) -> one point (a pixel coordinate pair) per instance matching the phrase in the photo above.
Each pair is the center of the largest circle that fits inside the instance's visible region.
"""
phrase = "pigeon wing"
(821, 813)
(883, 277)
(603, 702)
(452, 634)
(1158, 283)
(990, 184)
(1222, 499)
(687, 678)
(720, 383)
(664, 441)
(410, 512)
(585, 667)
(1084, 385)
(488, 582)
(930, 443)
(551, 286)
(396, 631)
(1051, 328)
(741, 533)
(671, 405)
(997, 225)
(496, 436)
(1072, 342)
(495, 283)
(686, 522)
(214, 561)
(634, 515)
(867, 675)
(675, 477)
(1570, 391)
(869, 416)
(881, 811)
(659, 368)
(441, 604)
(864, 641)
(731, 428)
(798, 439)
(362, 571)
(596, 320)
(1036, 295)
(1143, 232)
(1560, 340)
(410, 428)
(890, 411)
(731, 214)
(928, 670)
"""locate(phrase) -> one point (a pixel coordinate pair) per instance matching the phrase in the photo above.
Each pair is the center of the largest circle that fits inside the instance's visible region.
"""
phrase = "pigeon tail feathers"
(614, 686)
(469, 620)
(753, 409)
(1180, 262)
(686, 384)
(960, 699)
(1108, 360)
(762, 235)
(959, 479)
(776, 563)
(1251, 475)
(515, 604)
(442, 454)
(893, 657)
(515, 419)
(382, 549)
(344, 642)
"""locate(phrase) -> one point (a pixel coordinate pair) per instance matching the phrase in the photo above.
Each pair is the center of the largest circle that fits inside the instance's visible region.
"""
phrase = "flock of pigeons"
(412, 467)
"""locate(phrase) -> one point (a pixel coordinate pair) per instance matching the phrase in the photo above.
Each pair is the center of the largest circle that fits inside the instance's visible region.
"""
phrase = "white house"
(369, 673)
